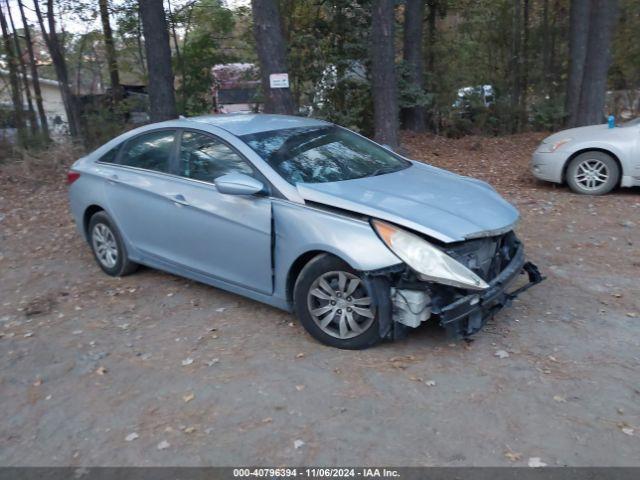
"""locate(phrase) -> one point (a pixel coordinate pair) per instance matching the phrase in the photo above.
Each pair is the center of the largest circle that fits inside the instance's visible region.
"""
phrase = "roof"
(43, 81)
(246, 124)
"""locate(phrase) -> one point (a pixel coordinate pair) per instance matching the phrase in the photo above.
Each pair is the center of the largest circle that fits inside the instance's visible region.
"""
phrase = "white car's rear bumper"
(548, 166)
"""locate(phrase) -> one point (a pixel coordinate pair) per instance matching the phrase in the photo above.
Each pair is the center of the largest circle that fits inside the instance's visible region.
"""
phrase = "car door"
(139, 194)
(227, 237)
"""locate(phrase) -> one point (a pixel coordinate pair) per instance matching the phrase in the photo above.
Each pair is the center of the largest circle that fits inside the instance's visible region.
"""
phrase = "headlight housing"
(430, 262)
(553, 146)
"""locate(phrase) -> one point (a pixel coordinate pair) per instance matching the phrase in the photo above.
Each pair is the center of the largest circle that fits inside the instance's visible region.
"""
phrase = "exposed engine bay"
(412, 300)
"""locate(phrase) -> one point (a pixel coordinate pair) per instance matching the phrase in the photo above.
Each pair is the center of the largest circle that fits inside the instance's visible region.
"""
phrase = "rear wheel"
(108, 247)
(593, 173)
(333, 304)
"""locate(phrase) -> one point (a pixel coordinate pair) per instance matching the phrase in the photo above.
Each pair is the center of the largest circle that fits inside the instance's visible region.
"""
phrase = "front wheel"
(333, 304)
(593, 173)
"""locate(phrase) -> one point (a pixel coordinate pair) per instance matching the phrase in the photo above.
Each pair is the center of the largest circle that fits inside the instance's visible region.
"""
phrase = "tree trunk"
(33, 124)
(598, 59)
(516, 48)
(110, 49)
(162, 99)
(524, 69)
(414, 117)
(179, 56)
(60, 66)
(44, 124)
(14, 83)
(383, 72)
(272, 55)
(579, 17)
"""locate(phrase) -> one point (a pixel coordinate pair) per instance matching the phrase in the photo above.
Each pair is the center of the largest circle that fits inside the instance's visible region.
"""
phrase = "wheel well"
(88, 213)
(579, 152)
(297, 267)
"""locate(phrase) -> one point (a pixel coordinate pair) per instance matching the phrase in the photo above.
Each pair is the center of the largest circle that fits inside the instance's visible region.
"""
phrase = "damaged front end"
(405, 298)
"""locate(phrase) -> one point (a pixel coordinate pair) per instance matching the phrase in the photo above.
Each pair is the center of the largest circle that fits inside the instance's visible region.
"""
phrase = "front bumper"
(548, 166)
(468, 314)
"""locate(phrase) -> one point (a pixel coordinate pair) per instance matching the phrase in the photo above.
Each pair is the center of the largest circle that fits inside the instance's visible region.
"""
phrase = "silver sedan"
(592, 160)
(306, 216)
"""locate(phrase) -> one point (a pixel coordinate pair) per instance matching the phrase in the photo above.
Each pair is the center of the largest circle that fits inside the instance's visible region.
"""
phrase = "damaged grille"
(486, 257)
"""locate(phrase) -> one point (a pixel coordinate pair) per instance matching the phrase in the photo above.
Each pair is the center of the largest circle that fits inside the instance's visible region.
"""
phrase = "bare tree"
(112, 60)
(270, 43)
(16, 96)
(33, 124)
(44, 124)
(414, 117)
(162, 99)
(60, 66)
(383, 72)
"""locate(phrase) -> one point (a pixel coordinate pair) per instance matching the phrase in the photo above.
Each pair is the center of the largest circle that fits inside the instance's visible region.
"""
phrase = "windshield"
(631, 123)
(322, 154)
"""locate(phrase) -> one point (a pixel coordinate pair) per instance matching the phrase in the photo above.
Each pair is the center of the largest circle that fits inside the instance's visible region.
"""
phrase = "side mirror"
(238, 184)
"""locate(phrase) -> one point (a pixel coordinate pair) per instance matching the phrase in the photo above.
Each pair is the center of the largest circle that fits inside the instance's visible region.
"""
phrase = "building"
(51, 101)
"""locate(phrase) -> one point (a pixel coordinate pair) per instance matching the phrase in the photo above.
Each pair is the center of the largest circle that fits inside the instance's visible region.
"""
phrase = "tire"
(326, 279)
(593, 173)
(108, 248)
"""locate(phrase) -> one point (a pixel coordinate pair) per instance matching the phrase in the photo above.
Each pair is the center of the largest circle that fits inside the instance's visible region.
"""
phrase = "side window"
(202, 157)
(110, 156)
(150, 151)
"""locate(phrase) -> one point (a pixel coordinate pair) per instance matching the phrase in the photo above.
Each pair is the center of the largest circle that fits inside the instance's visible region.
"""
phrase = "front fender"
(299, 229)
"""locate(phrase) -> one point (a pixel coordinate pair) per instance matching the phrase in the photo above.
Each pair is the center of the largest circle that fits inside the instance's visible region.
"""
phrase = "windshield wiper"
(382, 171)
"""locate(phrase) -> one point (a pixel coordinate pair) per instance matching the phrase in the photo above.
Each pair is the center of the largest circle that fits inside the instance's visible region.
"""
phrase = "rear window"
(151, 151)
(110, 156)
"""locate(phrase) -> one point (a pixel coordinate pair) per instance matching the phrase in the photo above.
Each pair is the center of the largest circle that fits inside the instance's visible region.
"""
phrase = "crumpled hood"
(437, 203)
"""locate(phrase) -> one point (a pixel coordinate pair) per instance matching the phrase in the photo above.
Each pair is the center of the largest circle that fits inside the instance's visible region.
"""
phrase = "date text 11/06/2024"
(316, 472)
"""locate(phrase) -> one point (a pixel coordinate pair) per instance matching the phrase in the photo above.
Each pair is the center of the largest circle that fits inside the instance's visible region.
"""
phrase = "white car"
(591, 160)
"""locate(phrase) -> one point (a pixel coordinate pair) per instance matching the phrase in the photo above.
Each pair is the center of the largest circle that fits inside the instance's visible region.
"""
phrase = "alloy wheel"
(339, 305)
(591, 174)
(105, 246)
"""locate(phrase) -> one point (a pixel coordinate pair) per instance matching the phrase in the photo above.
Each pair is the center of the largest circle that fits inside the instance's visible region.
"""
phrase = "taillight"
(72, 177)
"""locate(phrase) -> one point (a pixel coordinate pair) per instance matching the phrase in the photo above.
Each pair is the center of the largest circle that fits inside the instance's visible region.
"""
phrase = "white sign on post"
(279, 80)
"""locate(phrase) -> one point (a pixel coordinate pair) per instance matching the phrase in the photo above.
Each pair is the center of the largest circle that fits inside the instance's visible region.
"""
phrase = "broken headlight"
(431, 263)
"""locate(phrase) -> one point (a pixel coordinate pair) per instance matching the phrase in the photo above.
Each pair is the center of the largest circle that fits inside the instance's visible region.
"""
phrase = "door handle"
(179, 199)
(114, 179)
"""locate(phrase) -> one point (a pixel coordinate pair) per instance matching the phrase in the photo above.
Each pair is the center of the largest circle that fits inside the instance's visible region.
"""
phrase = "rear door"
(224, 236)
(139, 192)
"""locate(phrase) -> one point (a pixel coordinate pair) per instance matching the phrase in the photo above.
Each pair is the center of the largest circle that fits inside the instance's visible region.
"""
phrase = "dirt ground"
(153, 369)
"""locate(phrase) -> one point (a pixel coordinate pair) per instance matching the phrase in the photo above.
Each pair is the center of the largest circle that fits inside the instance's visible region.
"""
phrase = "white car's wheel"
(593, 173)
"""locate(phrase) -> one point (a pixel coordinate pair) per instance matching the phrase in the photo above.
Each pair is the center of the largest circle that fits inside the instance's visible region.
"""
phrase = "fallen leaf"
(632, 314)
(299, 387)
(413, 378)
(163, 445)
(627, 431)
(188, 397)
(187, 361)
(559, 398)
(536, 462)
(28, 334)
(221, 309)
(300, 355)
(212, 362)
(298, 444)
(513, 456)
(430, 383)
(38, 382)
(101, 370)
(131, 437)
(501, 354)
(267, 420)
(189, 429)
